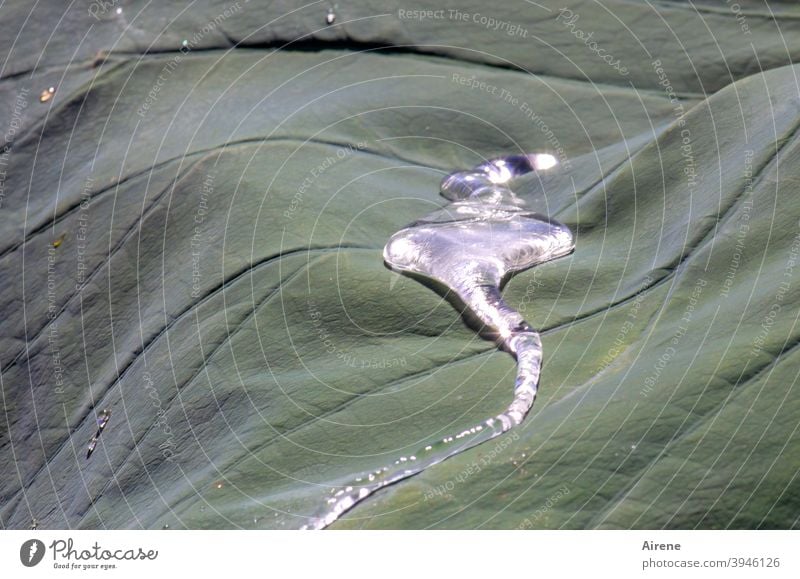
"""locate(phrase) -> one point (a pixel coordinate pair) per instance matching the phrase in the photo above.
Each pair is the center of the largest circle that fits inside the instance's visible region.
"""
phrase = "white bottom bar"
(388, 554)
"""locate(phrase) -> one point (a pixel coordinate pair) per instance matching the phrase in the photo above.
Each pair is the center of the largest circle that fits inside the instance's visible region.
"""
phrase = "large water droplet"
(471, 247)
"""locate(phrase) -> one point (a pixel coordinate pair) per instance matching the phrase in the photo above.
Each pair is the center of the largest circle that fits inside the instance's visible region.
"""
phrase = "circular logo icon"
(31, 552)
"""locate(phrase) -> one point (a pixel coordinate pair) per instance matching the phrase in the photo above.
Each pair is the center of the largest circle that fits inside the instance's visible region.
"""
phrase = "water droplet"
(166, 526)
(330, 18)
(47, 94)
(218, 485)
(185, 43)
(119, 10)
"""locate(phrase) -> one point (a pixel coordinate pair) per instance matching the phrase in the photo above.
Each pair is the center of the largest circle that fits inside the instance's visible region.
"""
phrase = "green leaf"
(192, 239)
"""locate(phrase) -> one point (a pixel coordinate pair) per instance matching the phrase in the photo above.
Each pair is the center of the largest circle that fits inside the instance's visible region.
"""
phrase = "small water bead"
(330, 18)
(47, 94)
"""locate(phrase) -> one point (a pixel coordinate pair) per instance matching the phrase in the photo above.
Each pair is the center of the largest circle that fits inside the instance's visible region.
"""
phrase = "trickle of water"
(470, 248)
(102, 422)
